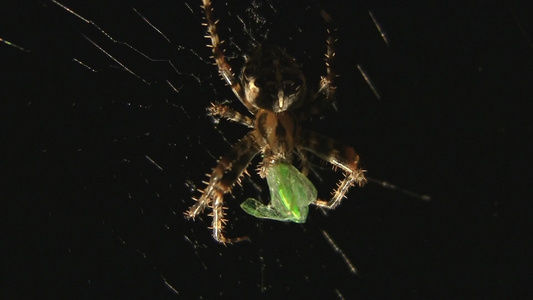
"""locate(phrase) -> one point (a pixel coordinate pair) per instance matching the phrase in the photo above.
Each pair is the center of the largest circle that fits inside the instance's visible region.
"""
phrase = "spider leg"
(226, 112)
(224, 67)
(228, 171)
(324, 98)
(305, 164)
(327, 86)
(340, 156)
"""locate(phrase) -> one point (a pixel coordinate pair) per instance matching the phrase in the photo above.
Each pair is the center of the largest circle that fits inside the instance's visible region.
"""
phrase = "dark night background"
(86, 215)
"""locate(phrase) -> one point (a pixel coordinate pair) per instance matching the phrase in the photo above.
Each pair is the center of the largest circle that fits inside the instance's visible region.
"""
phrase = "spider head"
(272, 80)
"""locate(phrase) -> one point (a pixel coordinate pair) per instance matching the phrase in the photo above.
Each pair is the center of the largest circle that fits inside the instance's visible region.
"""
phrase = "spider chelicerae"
(274, 90)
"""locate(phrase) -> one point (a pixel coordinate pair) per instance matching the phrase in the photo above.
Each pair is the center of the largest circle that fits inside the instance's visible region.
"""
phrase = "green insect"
(290, 195)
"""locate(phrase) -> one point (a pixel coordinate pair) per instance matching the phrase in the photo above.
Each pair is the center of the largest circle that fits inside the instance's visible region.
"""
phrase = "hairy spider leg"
(340, 156)
(327, 86)
(228, 171)
(305, 165)
(226, 112)
(224, 67)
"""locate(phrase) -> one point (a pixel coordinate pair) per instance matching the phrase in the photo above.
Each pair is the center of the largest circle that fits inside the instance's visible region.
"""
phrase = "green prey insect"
(290, 195)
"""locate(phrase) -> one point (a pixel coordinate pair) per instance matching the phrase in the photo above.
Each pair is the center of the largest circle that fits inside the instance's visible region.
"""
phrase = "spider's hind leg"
(224, 67)
(340, 156)
(228, 171)
(327, 83)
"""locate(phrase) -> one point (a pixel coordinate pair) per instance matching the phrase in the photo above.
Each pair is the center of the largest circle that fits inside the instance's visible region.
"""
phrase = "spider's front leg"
(338, 155)
(224, 175)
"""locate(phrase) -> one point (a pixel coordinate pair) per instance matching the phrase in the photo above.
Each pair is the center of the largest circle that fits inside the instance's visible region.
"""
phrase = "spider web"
(146, 91)
(120, 141)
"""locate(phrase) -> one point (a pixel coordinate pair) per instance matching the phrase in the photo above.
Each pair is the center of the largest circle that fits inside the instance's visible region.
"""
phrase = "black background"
(86, 215)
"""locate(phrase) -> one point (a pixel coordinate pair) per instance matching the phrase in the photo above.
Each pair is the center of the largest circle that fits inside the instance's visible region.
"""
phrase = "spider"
(273, 88)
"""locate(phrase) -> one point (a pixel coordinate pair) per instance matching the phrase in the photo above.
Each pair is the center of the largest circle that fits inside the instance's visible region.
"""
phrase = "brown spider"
(273, 89)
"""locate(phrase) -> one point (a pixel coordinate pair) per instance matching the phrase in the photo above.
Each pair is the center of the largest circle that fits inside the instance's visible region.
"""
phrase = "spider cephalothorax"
(273, 89)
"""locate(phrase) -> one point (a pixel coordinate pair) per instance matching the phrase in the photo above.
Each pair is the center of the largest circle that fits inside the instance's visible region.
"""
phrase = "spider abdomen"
(273, 80)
